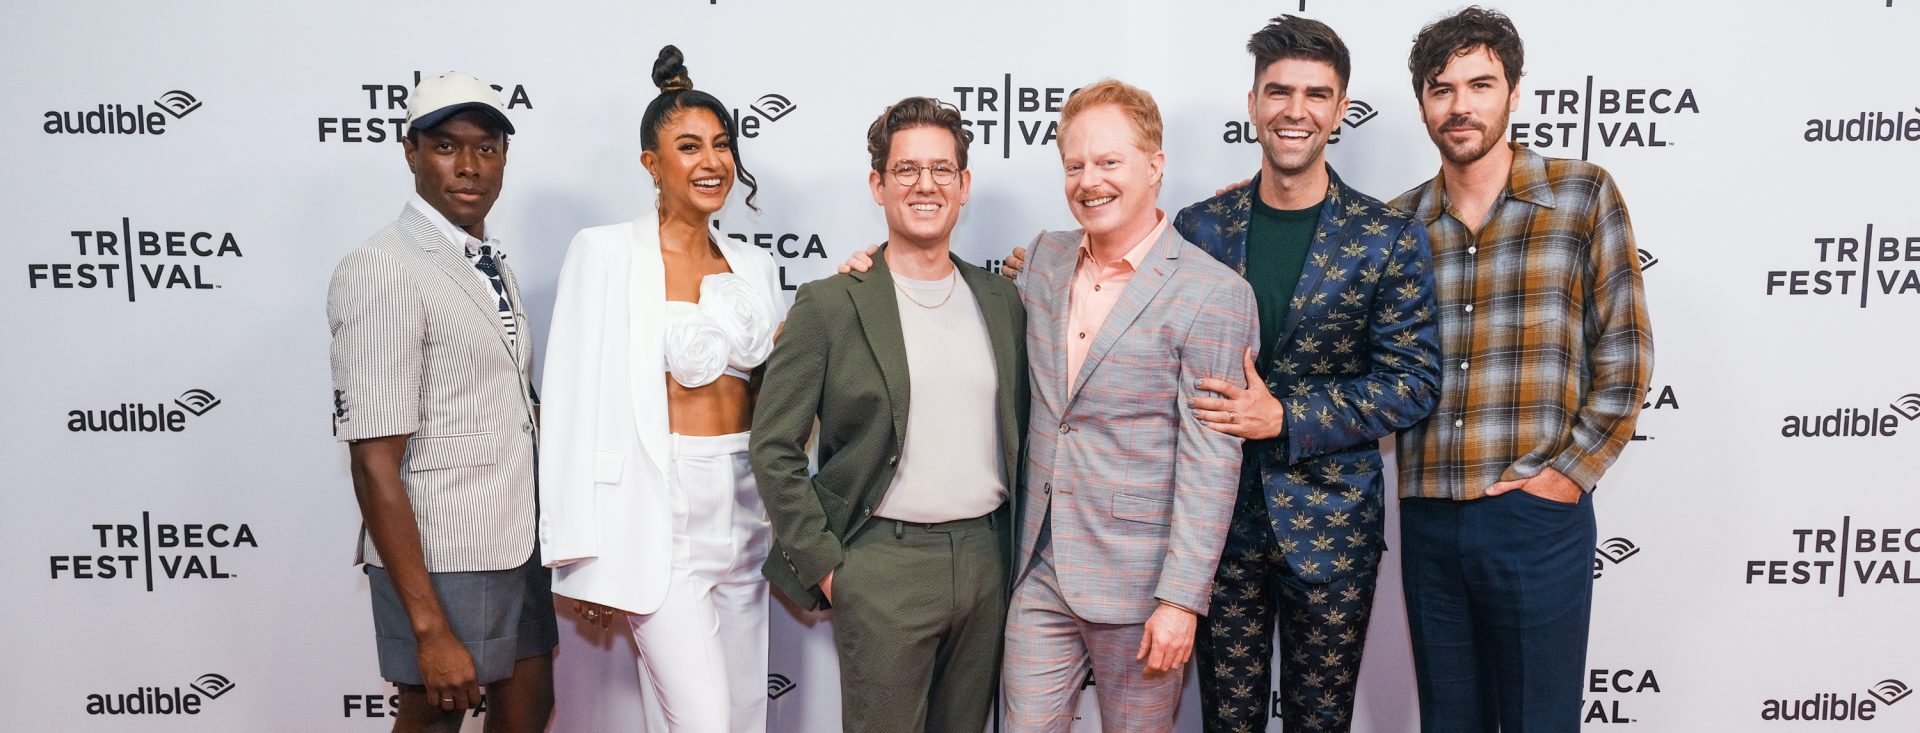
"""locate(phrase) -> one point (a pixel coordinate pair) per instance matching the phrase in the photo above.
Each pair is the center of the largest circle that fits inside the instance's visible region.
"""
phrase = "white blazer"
(605, 522)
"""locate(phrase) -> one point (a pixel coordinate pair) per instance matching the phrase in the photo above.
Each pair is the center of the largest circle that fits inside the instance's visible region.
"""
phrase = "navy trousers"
(1499, 591)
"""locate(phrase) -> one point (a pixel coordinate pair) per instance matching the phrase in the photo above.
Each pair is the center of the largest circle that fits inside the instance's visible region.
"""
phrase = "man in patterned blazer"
(1347, 353)
(432, 362)
(1128, 494)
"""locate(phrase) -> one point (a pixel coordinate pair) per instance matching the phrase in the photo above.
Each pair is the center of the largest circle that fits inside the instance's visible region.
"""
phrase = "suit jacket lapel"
(879, 313)
(646, 304)
(1161, 261)
(994, 311)
(453, 263)
(1320, 254)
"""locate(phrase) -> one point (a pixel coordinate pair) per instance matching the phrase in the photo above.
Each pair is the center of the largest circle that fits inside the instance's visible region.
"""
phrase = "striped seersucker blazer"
(1140, 492)
(419, 350)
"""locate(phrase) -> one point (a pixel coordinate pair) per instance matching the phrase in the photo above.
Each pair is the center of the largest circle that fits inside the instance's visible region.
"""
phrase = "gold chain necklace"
(953, 283)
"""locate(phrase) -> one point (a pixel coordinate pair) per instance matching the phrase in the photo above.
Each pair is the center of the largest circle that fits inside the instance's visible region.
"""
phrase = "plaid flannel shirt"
(1544, 331)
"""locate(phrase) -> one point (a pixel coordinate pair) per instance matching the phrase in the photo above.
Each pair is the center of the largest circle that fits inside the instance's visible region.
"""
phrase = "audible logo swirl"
(777, 685)
(1837, 706)
(161, 701)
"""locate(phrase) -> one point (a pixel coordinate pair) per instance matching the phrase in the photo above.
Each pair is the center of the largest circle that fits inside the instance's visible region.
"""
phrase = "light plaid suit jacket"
(1140, 492)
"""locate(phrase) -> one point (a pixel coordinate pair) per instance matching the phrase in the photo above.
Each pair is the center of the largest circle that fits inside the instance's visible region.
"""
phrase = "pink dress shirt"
(1096, 287)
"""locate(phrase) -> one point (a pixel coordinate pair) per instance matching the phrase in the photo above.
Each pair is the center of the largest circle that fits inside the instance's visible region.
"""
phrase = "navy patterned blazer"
(1358, 358)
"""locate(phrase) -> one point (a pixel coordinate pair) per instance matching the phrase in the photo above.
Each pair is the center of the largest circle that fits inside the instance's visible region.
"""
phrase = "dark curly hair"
(1474, 27)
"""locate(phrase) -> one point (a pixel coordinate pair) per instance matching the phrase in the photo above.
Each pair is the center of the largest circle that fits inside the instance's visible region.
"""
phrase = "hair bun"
(670, 71)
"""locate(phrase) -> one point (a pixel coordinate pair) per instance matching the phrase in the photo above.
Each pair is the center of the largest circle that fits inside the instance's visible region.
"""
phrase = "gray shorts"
(502, 616)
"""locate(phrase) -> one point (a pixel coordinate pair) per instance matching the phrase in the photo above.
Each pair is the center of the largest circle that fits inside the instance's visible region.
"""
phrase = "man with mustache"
(1128, 493)
(1543, 323)
(432, 366)
(1347, 353)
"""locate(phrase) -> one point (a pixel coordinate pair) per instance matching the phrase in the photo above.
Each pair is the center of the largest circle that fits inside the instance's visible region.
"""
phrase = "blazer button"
(1065, 428)
(893, 460)
(869, 511)
(526, 427)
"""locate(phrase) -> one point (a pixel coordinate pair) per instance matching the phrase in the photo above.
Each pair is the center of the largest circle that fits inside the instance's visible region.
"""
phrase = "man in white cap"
(432, 364)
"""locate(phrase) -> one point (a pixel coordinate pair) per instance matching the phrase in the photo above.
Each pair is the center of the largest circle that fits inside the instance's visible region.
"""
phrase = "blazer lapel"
(879, 313)
(646, 298)
(1320, 254)
(999, 319)
(453, 263)
(1161, 261)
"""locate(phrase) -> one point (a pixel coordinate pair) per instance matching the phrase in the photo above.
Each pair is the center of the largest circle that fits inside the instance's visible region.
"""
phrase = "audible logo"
(1853, 422)
(116, 119)
(139, 417)
(1837, 706)
(1870, 127)
(768, 108)
(1613, 551)
(777, 685)
(1358, 113)
(161, 701)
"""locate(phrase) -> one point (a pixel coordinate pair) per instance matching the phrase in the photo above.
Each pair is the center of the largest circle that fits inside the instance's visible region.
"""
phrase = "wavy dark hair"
(910, 113)
(1290, 37)
(677, 94)
(1474, 27)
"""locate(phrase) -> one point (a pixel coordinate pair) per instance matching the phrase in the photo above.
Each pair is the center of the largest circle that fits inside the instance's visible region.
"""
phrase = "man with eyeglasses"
(917, 373)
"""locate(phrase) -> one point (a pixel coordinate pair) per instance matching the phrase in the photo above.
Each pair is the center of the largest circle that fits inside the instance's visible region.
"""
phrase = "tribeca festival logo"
(1358, 113)
(139, 417)
(387, 705)
(1829, 557)
(120, 119)
(385, 118)
(1612, 552)
(778, 685)
(161, 701)
(1006, 115)
(1581, 119)
(1837, 706)
(785, 246)
(152, 551)
(1853, 422)
(168, 260)
(1658, 398)
(1608, 688)
(1855, 267)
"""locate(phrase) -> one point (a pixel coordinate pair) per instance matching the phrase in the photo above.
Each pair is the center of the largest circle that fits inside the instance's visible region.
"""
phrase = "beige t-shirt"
(950, 465)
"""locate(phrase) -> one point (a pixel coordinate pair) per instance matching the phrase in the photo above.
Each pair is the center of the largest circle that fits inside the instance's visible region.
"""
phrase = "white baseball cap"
(443, 96)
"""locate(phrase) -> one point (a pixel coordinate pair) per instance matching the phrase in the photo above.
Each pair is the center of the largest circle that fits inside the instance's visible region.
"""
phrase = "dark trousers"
(918, 611)
(1322, 627)
(1499, 592)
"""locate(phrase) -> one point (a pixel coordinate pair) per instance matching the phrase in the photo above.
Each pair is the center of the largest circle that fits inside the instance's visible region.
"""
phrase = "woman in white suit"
(648, 505)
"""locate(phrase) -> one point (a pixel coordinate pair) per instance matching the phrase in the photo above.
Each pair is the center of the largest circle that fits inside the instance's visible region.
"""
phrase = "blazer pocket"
(1142, 509)
(607, 466)
(451, 451)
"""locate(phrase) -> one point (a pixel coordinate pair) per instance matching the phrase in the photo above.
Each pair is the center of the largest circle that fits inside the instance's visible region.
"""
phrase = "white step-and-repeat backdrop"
(179, 179)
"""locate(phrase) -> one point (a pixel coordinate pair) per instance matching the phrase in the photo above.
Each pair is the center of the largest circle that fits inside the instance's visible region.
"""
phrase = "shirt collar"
(1526, 181)
(1138, 253)
(455, 235)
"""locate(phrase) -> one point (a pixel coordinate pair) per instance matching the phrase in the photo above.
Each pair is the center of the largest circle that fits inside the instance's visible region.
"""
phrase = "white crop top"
(729, 332)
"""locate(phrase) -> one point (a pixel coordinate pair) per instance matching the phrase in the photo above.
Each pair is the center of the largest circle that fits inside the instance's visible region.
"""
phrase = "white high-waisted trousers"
(706, 648)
